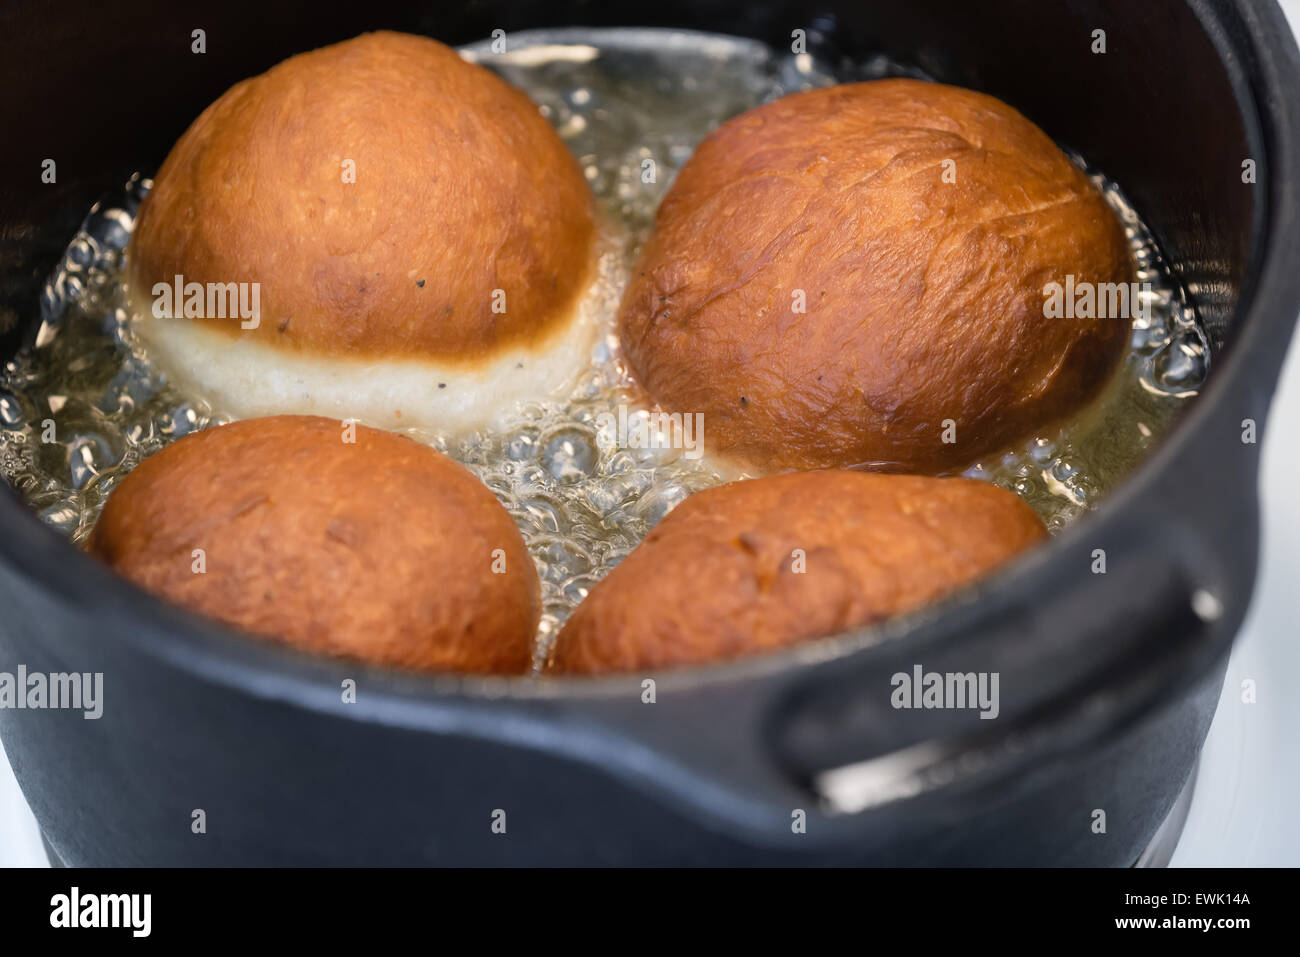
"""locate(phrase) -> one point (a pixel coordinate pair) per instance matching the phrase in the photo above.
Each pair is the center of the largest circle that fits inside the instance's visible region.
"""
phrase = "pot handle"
(1108, 650)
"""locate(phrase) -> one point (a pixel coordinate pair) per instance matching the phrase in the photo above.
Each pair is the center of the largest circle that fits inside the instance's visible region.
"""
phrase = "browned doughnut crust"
(924, 298)
(462, 188)
(718, 576)
(379, 550)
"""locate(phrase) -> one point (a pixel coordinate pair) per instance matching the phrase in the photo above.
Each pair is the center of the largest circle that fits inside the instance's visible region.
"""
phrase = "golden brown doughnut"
(924, 299)
(396, 204)
(380, 550)
(765, 563)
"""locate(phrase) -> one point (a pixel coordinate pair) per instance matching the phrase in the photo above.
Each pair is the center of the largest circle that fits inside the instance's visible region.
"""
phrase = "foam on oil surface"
(631, 104)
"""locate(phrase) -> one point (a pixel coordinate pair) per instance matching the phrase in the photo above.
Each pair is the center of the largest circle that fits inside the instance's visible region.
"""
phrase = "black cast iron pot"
(1108, 682)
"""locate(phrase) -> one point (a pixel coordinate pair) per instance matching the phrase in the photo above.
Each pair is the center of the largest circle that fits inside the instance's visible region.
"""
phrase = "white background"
(1246, 808)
